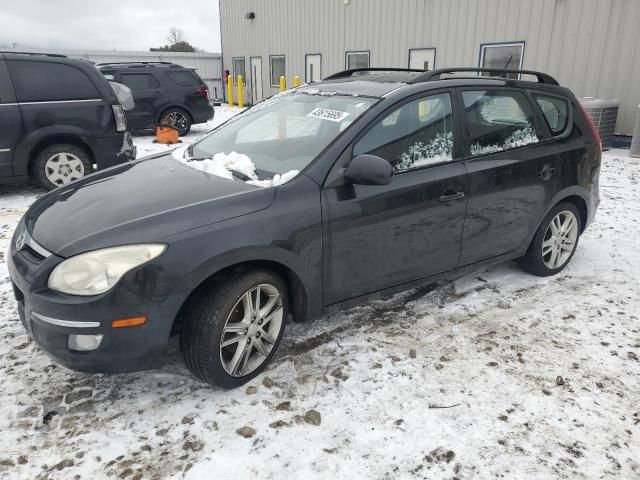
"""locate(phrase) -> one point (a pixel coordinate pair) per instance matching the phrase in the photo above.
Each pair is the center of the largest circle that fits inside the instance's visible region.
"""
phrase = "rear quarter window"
(555, 111)
(184, 78)
(48, 81)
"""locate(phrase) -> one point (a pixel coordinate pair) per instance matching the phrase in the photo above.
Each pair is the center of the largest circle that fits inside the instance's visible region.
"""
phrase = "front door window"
(415, 135)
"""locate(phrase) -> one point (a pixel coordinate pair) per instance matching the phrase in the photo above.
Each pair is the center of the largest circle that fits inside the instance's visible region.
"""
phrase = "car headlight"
(96, 272)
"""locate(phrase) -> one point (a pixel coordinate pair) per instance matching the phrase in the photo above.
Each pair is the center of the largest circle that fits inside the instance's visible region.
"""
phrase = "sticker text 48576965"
(328, 114)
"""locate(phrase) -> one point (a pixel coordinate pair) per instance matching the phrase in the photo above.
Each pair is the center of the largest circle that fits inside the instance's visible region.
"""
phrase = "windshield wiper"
(235, 173)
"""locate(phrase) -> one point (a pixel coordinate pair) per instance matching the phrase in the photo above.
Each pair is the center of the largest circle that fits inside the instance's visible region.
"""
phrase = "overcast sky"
(107, 24)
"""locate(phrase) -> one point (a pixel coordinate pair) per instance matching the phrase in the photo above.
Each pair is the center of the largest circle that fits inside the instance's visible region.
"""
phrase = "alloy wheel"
(560, 240)
(62, 168)
(251, 330)
(177, 119)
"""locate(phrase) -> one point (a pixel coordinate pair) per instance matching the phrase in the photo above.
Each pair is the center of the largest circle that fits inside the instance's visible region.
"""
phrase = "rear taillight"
(204, 91)
(121, 120)
(594, 130)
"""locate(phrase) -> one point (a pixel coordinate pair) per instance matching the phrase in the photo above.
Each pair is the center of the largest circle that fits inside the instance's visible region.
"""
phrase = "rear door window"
(184, 78)
(36, 81)
(139, 81)
(497, 120)
(555, 111)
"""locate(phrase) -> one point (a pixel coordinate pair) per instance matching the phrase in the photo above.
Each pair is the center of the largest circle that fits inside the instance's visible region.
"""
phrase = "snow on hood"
(221, 165)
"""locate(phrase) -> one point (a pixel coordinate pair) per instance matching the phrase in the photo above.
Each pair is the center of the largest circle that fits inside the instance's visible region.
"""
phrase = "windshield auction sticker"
(327, 114)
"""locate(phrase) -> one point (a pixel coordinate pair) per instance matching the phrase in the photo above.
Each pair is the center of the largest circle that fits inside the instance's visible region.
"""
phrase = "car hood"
(142, 201)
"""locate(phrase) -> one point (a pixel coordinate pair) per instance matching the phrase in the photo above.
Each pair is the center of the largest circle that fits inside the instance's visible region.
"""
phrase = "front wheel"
(555, 242)
(232, 329)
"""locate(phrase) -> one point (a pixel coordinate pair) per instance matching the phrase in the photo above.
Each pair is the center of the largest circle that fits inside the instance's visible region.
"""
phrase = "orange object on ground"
(165, 134)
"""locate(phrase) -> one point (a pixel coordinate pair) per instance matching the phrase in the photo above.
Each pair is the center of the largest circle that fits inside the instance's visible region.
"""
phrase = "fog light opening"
(84, 343)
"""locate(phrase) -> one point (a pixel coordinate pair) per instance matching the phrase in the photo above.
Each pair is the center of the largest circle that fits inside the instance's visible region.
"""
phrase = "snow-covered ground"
(497, 375)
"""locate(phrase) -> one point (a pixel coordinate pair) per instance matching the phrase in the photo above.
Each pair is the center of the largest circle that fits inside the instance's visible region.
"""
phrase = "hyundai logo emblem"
(20, 241)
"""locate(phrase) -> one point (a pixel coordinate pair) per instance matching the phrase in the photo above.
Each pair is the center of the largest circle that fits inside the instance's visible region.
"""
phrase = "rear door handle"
(451, 195)
(547, 172)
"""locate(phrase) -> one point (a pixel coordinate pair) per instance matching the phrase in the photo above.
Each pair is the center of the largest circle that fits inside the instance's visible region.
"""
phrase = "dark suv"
(362, 185)
(58, 118)
(162, 91)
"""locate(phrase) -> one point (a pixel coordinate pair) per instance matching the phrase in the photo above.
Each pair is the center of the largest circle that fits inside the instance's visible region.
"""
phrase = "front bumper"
(50, 317)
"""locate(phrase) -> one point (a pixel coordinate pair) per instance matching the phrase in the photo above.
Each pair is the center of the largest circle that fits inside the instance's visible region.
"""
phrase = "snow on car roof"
(369, 85)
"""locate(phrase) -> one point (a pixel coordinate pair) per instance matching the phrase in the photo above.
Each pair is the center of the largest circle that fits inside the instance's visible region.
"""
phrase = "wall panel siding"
(591, 46)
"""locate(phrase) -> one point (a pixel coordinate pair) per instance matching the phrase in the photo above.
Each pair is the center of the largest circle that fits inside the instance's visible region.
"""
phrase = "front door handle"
(451, 195)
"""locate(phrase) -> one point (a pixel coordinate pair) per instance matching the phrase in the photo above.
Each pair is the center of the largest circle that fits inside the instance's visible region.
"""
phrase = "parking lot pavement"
(496, 374)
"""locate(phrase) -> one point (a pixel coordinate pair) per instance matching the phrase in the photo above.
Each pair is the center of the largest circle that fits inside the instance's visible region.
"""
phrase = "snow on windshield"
(223, 165)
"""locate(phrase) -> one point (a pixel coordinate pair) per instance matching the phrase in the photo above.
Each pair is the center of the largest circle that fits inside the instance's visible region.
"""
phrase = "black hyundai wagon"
(364, 184)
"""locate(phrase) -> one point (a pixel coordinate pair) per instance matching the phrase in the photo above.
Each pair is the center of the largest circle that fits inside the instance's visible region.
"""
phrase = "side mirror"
(368, 170)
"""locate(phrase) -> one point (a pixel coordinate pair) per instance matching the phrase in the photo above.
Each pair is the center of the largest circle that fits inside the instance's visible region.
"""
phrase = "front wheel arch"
(297, 292)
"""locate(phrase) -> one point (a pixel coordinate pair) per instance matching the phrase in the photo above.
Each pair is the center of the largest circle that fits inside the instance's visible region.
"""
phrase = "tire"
(179, 118)
(60, 164)
(207, 318)
(544, 263)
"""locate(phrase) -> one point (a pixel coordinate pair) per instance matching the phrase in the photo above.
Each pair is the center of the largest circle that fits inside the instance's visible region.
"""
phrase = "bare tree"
(175, 35)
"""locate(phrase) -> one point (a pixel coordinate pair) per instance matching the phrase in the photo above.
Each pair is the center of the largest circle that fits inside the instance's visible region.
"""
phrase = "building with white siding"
(591, 46)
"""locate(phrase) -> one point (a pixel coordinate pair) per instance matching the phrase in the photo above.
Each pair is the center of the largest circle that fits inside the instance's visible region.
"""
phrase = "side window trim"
(538, 123)
(457, 152)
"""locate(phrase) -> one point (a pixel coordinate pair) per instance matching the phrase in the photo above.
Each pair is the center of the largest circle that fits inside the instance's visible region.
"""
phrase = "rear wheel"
(555, 242)
(232, 329)
(179, 118)
(61, 164)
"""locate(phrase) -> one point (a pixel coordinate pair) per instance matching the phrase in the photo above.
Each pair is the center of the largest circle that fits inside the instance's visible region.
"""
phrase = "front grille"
(31, 254)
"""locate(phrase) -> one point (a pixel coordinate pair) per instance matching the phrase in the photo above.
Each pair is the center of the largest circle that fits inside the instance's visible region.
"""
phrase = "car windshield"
(277, 138)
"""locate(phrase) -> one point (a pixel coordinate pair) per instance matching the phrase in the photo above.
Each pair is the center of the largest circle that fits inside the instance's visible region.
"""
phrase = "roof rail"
(134, 63)
(350, 72)
(435, 74)
(34, 53)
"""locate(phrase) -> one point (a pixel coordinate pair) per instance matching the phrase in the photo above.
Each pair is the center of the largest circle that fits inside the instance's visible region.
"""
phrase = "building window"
(238, 69)
(313, 67)
(422, 58)
(503, 56)
(357, 60)
(277, 69)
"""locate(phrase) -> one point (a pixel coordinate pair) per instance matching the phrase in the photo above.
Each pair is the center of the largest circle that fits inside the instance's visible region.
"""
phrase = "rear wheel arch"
(297, 294)
(571, 197)
(581, 205)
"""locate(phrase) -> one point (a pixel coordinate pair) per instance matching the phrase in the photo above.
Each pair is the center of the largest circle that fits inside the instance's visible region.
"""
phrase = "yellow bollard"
(283, 83)
(296, 81)
(230, 90)
(240, 92)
